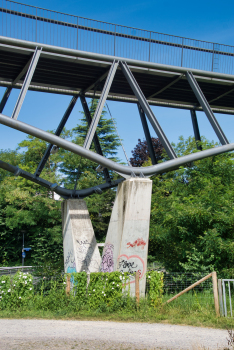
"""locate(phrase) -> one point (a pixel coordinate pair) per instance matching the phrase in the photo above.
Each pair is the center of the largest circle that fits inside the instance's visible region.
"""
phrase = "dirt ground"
(33, 334)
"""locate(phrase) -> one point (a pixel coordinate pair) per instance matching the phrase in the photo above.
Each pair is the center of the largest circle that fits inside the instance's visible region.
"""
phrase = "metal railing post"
(115, 40)
(149, 46)
(36, 25)
(212, 67)
(77, 32)
(182, 52)
(220, 297)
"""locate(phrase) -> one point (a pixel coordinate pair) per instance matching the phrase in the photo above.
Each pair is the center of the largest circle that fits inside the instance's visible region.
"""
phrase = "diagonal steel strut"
(95, 138)
(196, 129)
(26, 83)
(146, 108)
(147, 135)
(206, 108)
(9, 89)
(102, 100)
(57, 133)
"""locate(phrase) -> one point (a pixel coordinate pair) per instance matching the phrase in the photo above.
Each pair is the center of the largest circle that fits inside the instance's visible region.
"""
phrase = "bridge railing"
(55, 28)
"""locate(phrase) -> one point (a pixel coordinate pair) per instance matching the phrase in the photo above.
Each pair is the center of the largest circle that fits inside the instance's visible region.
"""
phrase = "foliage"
(141, 152)
(16, 291)
(155, 292)
(104, 290)
(192, 216)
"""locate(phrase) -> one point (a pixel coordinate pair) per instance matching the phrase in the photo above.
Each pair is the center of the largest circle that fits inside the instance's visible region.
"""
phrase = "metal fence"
(12, 270)
(226, 296)
(32, 23)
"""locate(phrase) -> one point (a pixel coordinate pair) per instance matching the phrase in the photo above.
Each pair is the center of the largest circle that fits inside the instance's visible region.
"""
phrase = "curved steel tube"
(107, 163)
(63, 192)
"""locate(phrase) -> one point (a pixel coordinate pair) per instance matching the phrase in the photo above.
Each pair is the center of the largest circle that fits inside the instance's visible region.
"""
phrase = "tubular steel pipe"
(63, 192)
(107, 163)
(109, 58)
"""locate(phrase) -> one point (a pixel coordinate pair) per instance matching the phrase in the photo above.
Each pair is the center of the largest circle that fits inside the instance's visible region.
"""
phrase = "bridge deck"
(68, 74)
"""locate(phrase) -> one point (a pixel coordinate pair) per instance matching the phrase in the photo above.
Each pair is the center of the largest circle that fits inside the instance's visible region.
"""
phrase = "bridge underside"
(67, 74)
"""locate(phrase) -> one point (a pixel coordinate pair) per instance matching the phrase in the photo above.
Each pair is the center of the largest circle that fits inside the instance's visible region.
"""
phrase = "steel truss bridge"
(47, 51)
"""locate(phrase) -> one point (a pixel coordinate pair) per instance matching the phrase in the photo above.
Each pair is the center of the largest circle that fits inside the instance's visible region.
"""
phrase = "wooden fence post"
(137, 288)
(220, 297)
(189, 288)
(68, 287)
(215, 291)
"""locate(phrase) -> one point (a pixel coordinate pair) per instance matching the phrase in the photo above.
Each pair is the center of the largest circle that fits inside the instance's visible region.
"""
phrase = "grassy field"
(190, 309)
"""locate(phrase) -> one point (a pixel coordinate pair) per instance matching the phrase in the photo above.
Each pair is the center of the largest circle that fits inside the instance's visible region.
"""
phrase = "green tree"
(192, 217)
(84, 171)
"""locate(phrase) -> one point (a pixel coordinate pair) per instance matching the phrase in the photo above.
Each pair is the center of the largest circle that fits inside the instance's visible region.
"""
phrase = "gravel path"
(17, 334)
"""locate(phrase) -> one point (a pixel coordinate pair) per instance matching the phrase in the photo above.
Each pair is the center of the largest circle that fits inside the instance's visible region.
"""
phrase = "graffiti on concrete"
(138, 243)
(86, 257)
(107, 258)
(131, 264)
(70, 263)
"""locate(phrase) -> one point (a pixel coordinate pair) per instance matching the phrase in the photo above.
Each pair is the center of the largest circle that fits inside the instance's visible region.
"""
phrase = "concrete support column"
(126, 246)
(80, 248)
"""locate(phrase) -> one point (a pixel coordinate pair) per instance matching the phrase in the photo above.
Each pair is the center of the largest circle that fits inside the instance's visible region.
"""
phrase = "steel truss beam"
(107, 163)
(109, 58)
(206, 108)
(92, 86)
(166, 87)
(196, 129)
(102, 100)
(9, 89)
(146, 108)
(220, 96)
(26, 83)
(95, 137)
(147, 134)
(57, 132)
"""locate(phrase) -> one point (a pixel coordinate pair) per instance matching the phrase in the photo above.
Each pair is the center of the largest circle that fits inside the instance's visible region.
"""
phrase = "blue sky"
(204, 20)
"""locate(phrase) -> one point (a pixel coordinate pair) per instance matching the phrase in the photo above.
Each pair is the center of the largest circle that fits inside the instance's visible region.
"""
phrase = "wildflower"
(113, 288)
(30, 280)
(102, 292)
(106, 279)
(117, 285)
(148, 276)
(13, 285)
(30, 288)
(24, 276)
(3, 281)
(93, 290)
(9, 290)
(25, 282)
(19, 297)
(64, 283)
(0, 297)
(104, 295)
(113, 282)
(120, 277)
(89, 294)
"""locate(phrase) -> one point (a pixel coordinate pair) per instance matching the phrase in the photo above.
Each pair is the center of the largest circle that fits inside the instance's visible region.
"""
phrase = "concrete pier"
(80, 248)
(126, 246)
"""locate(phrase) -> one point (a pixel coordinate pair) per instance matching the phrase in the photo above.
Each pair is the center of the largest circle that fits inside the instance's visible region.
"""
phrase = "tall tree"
(192, 216)
(140, 154)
